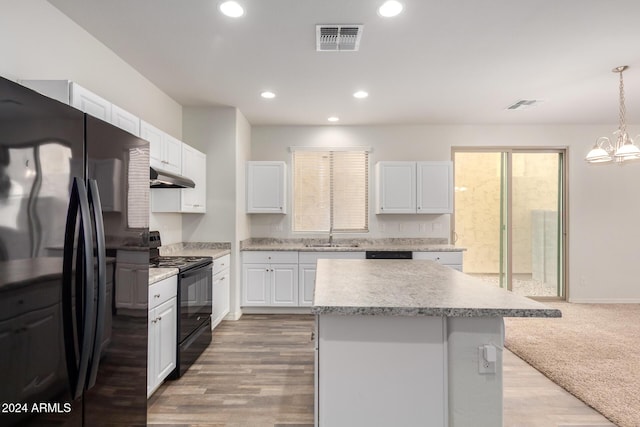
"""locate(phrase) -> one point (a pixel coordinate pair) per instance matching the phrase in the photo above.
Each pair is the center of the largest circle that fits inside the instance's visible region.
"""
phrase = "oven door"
(195, 299)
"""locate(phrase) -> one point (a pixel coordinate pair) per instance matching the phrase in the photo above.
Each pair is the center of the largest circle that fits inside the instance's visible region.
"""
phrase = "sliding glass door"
(509, 214)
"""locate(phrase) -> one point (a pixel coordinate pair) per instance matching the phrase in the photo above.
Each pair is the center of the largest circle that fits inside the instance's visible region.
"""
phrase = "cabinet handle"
(154, 321)
(159, 317)
(156, 296)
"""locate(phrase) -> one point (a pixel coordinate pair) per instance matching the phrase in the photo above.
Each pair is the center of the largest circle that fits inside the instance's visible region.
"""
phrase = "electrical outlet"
(487, 357)
(422, 227)
(437, 226)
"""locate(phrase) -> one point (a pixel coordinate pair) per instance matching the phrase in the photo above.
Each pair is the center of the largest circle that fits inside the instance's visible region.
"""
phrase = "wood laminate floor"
(258, 372)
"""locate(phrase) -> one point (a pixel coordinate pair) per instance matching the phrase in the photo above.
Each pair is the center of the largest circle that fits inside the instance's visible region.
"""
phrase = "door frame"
(564, 216)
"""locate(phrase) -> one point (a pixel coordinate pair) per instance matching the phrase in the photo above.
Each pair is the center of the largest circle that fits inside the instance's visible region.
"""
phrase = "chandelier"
(624, 148)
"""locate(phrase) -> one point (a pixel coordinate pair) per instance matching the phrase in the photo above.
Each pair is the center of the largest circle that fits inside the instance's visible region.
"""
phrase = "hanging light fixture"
(624, 148)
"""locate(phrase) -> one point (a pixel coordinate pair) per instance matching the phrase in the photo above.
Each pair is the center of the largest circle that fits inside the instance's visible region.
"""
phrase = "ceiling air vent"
(524, 104)
(335, 38)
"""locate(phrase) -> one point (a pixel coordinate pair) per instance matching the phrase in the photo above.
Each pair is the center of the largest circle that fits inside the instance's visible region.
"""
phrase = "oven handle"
(196, 271)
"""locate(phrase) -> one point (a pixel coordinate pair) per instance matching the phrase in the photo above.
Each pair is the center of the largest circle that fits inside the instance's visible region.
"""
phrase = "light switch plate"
(484, 366)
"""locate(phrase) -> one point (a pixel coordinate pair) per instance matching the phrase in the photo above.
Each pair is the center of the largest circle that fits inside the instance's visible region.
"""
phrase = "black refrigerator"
(74, 191)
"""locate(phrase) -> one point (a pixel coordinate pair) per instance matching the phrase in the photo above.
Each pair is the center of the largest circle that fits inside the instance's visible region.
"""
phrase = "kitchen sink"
(332, 245)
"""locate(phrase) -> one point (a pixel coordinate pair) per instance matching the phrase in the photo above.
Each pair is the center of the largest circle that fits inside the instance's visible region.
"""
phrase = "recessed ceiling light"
(268, 94)
(333, 119)
(390, 8)
(360, 94)
(232, 9)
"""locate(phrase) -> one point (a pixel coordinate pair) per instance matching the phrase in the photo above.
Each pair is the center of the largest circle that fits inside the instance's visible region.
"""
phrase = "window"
(330, 190)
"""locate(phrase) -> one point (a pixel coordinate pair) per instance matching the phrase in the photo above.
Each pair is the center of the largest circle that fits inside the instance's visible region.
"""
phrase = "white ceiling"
(440, 61)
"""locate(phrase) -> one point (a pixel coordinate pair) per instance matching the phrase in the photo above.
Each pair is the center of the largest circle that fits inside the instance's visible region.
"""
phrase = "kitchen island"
(410, 343)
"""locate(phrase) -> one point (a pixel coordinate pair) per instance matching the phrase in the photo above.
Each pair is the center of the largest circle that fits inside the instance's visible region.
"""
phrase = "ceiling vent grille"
(336, 38)
(524, 104)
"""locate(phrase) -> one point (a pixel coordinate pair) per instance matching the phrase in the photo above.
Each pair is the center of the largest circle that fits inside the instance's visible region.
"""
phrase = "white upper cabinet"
(185, 200)
(90, 103)
(266, 187)
(195, 162)
(414, 187)
(396, 185)
(125, 120)
(435, 187)
(165, 150)
(84, 100)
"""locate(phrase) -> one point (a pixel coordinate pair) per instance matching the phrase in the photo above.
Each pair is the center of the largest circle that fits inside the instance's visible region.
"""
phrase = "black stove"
(182, 263)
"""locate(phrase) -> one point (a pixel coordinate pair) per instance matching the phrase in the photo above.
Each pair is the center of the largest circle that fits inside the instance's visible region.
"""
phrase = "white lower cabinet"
(163, 329)
(270, 279)
(450, 259)
(307, 272)
(221, 290)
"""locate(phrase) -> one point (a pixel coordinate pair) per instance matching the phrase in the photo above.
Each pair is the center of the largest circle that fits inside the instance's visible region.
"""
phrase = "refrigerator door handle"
(96, 206)
(78, 350)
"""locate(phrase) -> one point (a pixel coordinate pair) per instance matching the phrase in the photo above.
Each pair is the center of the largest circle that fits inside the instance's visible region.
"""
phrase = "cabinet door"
(90, 103)
(266, 187)
(152, 345)
(125, 120)
(154, 136)
(396, 187)
(172, 158)
(194, 199)
(307, 283)
(220, 297)
(435, 187)
(284, 286)
(167, 323)
(256, 279)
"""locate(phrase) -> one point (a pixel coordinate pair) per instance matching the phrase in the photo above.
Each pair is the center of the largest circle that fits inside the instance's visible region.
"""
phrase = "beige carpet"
(593, 352)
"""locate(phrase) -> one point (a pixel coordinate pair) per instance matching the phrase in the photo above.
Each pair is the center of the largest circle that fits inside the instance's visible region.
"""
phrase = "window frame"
(367, 153)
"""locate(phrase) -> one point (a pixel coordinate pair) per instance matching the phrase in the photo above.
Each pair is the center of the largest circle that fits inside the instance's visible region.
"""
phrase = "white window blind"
(331, 191)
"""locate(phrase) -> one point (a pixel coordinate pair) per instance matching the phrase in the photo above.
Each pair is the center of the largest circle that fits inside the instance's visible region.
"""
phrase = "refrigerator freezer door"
(41, 151)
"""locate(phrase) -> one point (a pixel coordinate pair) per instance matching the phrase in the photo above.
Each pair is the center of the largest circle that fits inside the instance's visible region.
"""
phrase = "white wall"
(604, 200)
(37, 41)
(224, 135)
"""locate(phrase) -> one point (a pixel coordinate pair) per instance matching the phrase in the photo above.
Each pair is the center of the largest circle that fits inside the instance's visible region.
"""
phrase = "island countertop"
(413, 288)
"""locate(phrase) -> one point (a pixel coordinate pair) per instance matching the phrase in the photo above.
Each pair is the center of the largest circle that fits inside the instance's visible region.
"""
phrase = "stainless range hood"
(163, 179)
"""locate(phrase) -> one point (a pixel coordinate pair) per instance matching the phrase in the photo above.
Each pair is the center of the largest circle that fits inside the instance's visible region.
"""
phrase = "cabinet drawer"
(312, 257)
(221, 263)
(270, 257)
(162, 291)
(445, 258)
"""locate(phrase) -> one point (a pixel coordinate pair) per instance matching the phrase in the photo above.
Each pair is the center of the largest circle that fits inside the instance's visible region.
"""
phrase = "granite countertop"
(413, 288)
(212, 249)
(158, 274)
(350, 245)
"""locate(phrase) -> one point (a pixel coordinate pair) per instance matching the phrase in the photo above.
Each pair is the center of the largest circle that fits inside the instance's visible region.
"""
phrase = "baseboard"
(276, 310)
(604, 300)
(233, 315)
